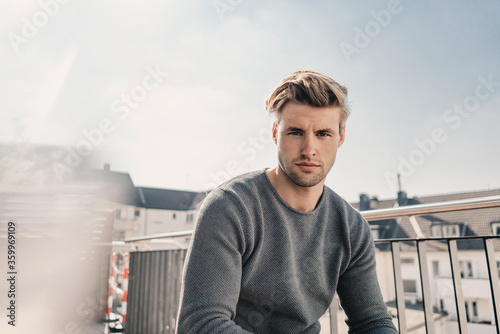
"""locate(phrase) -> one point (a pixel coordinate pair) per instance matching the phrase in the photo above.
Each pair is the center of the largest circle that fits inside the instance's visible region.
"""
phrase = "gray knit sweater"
(257, 265)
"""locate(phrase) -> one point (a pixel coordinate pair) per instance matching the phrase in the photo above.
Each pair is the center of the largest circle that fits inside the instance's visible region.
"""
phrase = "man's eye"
(323, 134)
(294, 133)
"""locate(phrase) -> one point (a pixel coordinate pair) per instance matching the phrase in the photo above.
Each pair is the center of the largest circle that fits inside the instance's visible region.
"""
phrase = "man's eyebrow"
(326, 130)
(296, 129)
(293, 129)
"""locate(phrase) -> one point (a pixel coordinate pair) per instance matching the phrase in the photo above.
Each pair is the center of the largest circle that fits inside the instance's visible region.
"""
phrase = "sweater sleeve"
(358, 287)
(212, 273)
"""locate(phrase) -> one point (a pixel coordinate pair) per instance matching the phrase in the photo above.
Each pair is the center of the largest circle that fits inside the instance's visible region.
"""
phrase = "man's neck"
(304, 199)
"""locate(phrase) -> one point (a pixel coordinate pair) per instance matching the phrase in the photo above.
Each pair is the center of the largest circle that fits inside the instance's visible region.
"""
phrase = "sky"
(173, 92)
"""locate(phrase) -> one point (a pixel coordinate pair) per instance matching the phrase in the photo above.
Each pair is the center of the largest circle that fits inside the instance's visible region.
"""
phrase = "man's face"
(307, 138)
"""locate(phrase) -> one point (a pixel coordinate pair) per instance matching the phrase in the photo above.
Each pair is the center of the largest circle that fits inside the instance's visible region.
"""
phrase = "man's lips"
(307, 166)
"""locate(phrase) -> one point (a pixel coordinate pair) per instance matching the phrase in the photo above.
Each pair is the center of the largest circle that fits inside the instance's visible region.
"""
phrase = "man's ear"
(341, 137)
(275, 132)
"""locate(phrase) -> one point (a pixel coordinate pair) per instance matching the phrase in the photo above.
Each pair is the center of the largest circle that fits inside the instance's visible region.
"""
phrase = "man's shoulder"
(244, 183)
(341, 205)
(242, 187)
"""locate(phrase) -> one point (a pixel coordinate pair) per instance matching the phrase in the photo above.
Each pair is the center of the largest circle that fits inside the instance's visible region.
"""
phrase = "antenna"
(399, 182)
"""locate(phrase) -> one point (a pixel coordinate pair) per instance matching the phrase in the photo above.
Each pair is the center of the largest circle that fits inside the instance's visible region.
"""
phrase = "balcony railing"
(456, 276)
(421, 243)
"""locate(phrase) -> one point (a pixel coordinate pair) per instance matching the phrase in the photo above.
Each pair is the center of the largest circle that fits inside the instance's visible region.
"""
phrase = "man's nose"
(308, 145)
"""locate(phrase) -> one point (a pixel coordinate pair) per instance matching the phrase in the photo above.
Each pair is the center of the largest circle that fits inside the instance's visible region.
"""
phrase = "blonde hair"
(310, 88)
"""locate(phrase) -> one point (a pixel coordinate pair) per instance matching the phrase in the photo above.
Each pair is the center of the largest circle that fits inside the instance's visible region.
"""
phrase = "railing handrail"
(161, 236)
(468, 237)
(378, 214)
(429, 208)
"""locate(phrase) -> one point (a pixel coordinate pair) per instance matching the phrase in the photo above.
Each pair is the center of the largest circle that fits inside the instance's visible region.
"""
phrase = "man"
(271, 247)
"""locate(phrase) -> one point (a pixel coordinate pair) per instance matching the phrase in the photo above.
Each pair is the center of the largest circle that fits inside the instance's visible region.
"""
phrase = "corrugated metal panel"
(154, 290)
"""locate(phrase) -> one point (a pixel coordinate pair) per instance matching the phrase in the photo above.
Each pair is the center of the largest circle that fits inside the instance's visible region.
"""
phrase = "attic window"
(495, 228)
(445, 230)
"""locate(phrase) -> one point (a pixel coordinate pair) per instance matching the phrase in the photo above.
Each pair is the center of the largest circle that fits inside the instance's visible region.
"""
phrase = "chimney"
(402, 197)
(107, 167)
(364, 202)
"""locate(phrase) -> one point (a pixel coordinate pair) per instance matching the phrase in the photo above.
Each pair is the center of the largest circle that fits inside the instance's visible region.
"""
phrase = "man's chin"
(306, 181)
(308, 185)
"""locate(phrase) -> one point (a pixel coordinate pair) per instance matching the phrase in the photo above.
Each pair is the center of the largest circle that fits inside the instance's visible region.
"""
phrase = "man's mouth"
(307, 166)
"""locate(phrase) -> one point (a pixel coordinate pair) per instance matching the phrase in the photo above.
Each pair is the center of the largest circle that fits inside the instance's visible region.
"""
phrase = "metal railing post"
(493, 273)
(457, 284)
(426, 287)
(334, 308)
(398, 283)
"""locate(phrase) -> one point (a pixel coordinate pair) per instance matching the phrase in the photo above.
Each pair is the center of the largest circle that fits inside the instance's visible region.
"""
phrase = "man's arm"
(212, 272)
(358, 287)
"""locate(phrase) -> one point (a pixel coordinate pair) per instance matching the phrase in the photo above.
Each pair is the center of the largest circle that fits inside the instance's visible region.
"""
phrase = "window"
(451, 231)
(474, 309)
(174, 215)
(137, 212)
(498, 268)
(407, 260)
(118, 214)
(189, 218)
(410, 286)
(435, 268)
(436, 231)
(445, 230)
(465, 269)
(469, 269)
